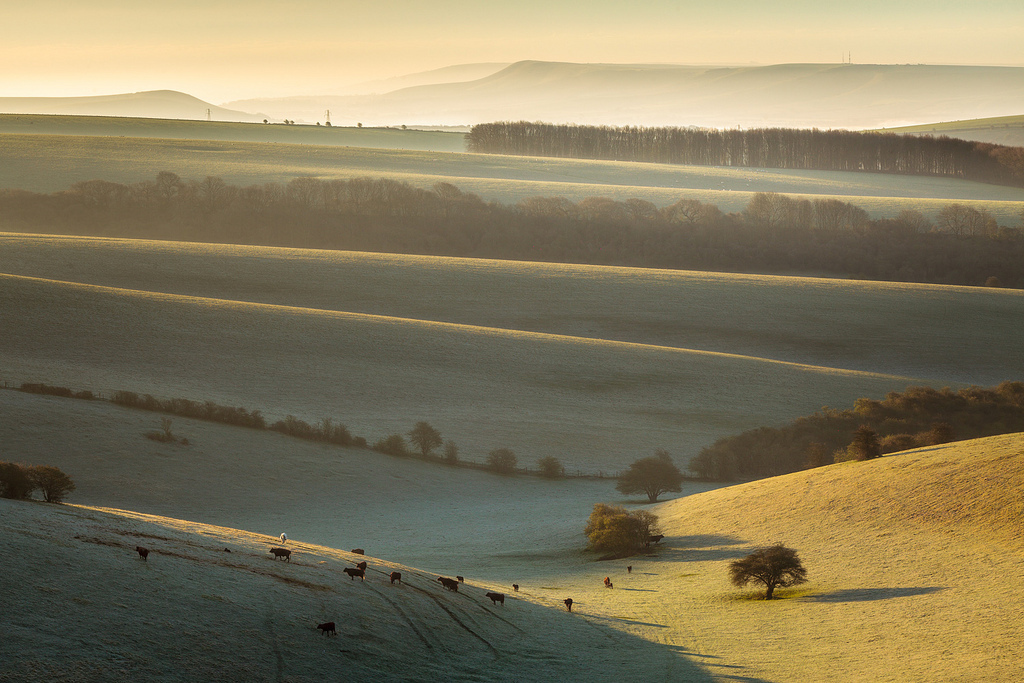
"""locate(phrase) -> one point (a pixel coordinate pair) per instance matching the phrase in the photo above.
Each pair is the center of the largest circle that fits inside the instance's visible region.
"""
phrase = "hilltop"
(781, 95)
(160, 104)
(999, 130)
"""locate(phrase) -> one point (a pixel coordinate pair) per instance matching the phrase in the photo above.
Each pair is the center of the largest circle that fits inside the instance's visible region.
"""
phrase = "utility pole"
(208, 115)
(327, 117)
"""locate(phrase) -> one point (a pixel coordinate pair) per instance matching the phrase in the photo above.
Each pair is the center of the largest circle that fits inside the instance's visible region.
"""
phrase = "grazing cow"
(629, 569)
(515, 587)
(358, 551)
(496, 598)
(278, 553)
(227, 550)
(284, 537)
(607, 582)
(568, 604)
(327, 629)
(361, 565)
(450, 584)
(396, 576)
(655, 539)
(143, 552)
(460, 579)
(353, 573)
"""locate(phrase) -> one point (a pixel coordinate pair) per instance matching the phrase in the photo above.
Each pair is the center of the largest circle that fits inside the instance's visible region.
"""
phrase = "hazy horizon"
(230, 50)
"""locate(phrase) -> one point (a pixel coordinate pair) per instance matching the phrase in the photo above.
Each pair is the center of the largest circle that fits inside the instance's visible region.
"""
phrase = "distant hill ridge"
(165, 104)
(790, 95)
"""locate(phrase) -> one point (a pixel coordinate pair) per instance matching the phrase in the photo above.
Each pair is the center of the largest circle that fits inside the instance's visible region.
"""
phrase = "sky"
(223, 50)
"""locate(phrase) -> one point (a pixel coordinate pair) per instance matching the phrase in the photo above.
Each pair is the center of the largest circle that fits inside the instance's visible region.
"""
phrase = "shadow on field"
(867, 594)
(723, 675)
(701, 548)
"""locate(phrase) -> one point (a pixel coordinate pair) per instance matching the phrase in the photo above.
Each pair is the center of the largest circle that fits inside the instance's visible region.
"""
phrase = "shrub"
(550, 467)
(895, 443)
(502, 461)
(425, 437)
(392, 445)
(614, 530)
(54, 483)
(451, 452)
(15, 481)
(865, 445)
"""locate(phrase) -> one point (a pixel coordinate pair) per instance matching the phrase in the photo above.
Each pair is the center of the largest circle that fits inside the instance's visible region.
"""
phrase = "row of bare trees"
(775, 233)
(832, 150)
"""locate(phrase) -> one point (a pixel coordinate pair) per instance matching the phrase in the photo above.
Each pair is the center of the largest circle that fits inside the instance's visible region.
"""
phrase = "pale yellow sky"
(224, 50)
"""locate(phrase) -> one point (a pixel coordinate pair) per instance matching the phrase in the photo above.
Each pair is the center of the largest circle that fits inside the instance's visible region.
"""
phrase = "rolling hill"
(786, 95)
(160, 104)
(913, 563)
(595, 366)
(999, 130)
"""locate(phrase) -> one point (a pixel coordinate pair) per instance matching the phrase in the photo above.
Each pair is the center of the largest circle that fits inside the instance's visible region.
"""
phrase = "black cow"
(515, 587)
(358, 551)
(396, 576)
(327, 629)
(629, 569)
(655, 539)
(568, 604)
(460, 579)
(361, 565)
(143, 552)
(450, 584)
(496, 598)
(278, 553)
(353, 573)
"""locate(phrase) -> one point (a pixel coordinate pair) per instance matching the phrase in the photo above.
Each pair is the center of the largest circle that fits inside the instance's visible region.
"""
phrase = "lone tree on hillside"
(502, 461)
(425, 437)
(54, 483)
(620, 533)
(775, 566)
(653, 476)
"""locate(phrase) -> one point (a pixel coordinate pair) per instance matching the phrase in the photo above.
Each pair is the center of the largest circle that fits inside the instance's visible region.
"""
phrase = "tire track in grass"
(458, 621)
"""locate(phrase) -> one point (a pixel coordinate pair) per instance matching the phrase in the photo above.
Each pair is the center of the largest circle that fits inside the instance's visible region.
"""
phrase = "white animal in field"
(284, 537)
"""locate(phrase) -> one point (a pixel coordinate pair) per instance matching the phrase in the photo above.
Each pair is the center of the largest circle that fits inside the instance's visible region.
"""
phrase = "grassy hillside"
(939, 333)
(1000, 130)
(594, 404)
(913, 561)
(180, 129)
(83, 606)
(51, 163)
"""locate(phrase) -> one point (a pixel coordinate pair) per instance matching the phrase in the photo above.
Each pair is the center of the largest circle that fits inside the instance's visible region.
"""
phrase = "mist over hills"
(160, 104)
(788, 95)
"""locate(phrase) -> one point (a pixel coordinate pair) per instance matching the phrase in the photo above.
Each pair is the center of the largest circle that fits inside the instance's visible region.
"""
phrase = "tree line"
(791, 148)
(775, 233)
(916, 417)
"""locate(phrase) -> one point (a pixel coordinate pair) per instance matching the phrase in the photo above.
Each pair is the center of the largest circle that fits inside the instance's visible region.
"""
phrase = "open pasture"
(49, 163)
(942, 334)
(913, 565)
(595, 404)
(180, 129)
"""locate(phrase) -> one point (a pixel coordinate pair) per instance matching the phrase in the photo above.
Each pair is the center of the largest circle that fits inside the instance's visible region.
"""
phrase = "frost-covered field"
(913, 564)
(50, 163)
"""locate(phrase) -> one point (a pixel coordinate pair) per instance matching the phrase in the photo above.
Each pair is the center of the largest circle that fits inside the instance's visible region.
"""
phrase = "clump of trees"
(19, 481)
(165, 435)
(617, 532)
(775, 566)
(915, 417)
(652, 476)
(775, 233)
(550, 468)
(829, 150)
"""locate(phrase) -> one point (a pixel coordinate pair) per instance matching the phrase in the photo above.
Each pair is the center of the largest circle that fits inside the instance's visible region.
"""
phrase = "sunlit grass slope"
(940, 333)
(1002, 130)
(79, 604)
(48, 163)
(592, 403)
(914, 564)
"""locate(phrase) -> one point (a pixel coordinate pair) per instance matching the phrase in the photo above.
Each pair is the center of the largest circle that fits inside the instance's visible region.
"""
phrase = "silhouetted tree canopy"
(775, 566)
(652, 476)
(425, 437)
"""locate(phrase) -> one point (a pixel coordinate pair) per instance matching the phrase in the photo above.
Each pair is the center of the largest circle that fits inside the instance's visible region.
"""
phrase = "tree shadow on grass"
(701, 548)
(868, 594)
(719, 671)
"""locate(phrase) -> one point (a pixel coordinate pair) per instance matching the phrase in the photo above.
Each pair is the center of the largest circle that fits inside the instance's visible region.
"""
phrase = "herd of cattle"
(359, 570)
